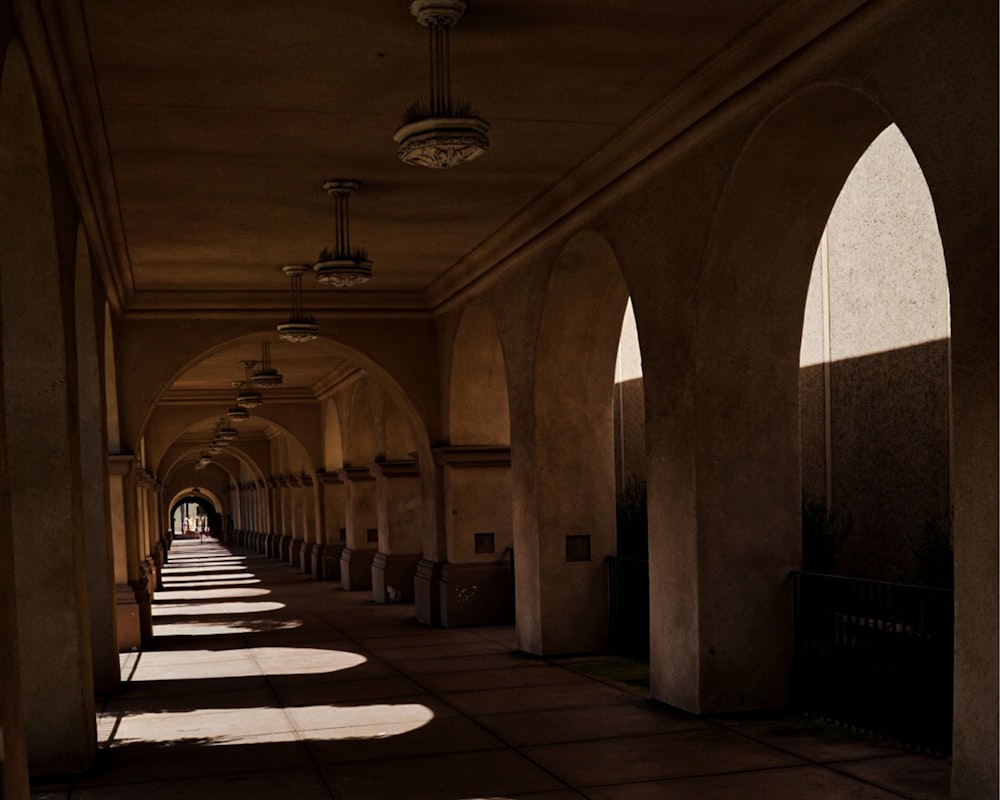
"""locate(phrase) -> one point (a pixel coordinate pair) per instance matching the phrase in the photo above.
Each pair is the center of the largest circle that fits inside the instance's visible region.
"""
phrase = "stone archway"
(563, 456)
(39, 388)
(720, 594)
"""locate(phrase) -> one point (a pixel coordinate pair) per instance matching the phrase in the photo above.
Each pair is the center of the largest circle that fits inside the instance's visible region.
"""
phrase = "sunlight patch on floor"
(223, 628)
(234, 726)
(212, 609)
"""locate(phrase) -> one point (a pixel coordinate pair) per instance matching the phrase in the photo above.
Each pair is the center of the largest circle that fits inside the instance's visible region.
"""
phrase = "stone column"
(46, 531)
(293, 501)
(128, 614)
(259, 509)
(400, 505)
(307, 505)
(274, 518)
(148, 568)
(361, 524)
(476, 581)
(332, 496)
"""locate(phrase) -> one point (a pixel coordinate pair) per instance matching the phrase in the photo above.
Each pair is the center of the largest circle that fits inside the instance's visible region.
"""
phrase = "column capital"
(120, 463)
(471, 456)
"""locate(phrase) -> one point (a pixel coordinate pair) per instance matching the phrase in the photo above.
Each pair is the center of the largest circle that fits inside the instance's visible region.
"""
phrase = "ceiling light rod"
(438, 17)
(444, 134)
(301, 327)
(266, 375)
(345, 265)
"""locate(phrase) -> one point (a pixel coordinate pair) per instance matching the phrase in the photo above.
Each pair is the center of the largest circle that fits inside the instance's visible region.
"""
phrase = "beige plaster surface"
(326, 700)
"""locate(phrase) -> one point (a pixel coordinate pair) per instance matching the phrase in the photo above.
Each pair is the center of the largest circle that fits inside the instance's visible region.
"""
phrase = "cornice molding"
(120, 463)
(471, 456)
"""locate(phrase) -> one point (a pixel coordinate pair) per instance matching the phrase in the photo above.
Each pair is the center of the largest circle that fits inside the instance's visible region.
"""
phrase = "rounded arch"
(197, 492)
(564, 481)
(478, 405)
(734, 506)
(371, 367)
(41, 437)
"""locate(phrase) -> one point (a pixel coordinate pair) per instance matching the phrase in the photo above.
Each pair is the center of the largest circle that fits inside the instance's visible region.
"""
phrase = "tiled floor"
(266, 684)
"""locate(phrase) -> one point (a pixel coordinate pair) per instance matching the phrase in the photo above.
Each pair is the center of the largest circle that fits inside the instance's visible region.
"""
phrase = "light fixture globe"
(237, 414)
(442, 142)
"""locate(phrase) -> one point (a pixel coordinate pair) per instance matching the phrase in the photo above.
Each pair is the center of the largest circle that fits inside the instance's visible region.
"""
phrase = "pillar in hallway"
(399, 502)
(46, 532)
(307, 504)
(13, 753)
(476, 581)
(149, 566)
(361, 525)
(274, 518)
(332, 496)
(282, 519)
(293, 492)
(128, 614)
(262, 523)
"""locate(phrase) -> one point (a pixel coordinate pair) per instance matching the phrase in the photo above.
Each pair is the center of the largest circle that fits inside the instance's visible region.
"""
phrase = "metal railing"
(628, 581)
(875, 655)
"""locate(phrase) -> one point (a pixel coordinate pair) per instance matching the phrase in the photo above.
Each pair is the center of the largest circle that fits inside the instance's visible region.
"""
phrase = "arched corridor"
(423, 444)
(263, 683)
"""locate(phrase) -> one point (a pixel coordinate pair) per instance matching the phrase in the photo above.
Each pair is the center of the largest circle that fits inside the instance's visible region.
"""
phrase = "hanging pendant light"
(301, 327)
(266, 375)
(343, 266)
(237, 414)
(446, 134)
(246, 396)
(226, 432)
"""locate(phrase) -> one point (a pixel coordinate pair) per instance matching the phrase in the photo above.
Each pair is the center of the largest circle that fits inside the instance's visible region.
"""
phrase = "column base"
(392, 577)
(426, 592)
(127, 618)
(356, 569)
(294, 548)
(331, 562)
(305, 557)
(144, 604)
(476, 594)
(284, 546)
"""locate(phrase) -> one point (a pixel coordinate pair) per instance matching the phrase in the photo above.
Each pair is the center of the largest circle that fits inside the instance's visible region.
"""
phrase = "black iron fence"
(628, 579)
(875, 655)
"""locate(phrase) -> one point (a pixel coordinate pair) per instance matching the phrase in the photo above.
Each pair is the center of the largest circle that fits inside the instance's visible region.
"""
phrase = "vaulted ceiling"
(213, 126)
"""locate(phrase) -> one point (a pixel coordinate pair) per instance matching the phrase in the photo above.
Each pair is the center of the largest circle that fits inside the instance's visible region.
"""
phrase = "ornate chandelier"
(343, 266)
(301, 327)
(443, 135)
